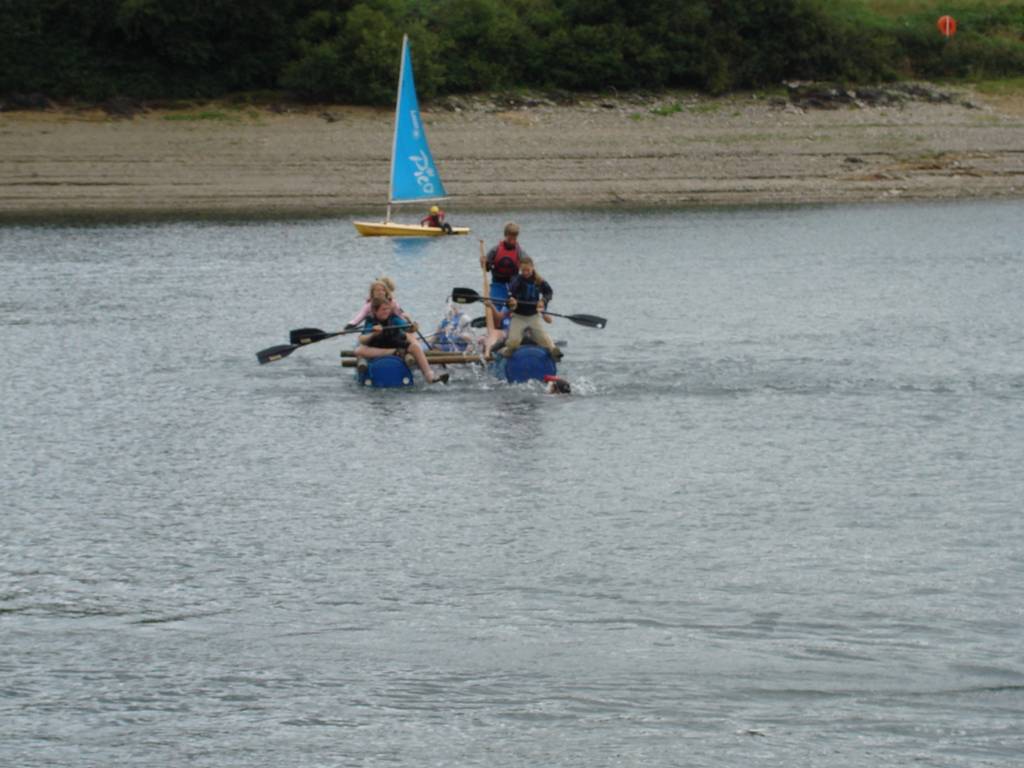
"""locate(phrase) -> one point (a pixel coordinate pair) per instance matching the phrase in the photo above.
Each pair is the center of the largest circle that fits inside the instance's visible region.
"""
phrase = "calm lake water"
(779, 521)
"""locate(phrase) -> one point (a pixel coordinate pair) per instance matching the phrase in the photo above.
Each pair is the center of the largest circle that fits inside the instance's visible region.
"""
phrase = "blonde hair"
(537, 279)
(388, 283)
(511, 228)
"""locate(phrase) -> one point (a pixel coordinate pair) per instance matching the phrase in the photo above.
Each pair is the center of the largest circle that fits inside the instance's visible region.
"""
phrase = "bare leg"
(421, 361)
(494, 312)
(492, 338)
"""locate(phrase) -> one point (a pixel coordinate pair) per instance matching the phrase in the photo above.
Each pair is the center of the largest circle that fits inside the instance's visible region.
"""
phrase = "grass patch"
(985, 18)
(264, 98)
(775, 92)
(706, 107)
(737, 138)
(667, 109)
(214, 115)
(898, 8)
(1012, 86)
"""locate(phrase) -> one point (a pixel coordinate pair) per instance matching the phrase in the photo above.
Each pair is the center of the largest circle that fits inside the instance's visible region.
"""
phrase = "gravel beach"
(522, 152)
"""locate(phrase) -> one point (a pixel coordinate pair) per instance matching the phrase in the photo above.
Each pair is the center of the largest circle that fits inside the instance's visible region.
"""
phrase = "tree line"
(347, 52)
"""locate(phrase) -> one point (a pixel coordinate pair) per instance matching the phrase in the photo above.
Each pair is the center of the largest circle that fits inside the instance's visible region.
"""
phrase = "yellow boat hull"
(392, 229)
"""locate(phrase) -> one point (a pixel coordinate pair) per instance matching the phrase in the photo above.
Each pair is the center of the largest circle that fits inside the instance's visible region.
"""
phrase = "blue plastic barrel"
(385, 373)
(528, 363)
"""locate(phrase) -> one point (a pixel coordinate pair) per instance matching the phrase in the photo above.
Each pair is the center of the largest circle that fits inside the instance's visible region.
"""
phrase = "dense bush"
(145, 48)
(347, 51)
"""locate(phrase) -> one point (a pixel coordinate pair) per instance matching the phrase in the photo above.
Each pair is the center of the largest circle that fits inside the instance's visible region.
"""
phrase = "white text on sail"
(425, 172)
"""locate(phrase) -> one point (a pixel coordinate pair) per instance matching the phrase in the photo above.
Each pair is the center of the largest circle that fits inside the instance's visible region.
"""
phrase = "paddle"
(481, 322)
(303, 336)
(423, 338)
(300, 337)
(468, 296)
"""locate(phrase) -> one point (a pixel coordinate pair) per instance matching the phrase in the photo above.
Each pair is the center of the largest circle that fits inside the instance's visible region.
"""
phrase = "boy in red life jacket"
(503, 262)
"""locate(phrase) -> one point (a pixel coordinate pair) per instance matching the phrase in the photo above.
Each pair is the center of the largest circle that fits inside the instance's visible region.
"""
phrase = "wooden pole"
(435, 359)
(430, 353)
(488, 310)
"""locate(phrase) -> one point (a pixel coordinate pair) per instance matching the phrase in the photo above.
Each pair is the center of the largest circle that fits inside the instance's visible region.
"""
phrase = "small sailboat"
(414, 176)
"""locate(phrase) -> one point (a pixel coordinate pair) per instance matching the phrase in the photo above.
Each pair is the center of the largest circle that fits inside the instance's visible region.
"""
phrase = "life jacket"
(528, 293)
(506, 262)
(393, 334)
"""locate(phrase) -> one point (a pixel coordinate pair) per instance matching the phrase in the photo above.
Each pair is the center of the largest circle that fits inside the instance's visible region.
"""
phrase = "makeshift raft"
(528, 363)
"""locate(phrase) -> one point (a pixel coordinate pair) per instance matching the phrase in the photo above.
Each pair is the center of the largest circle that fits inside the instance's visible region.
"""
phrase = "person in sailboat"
(454, 333)
(503, 263)
(383, 287)
(385, 333)
(529, 294)
(436, 219)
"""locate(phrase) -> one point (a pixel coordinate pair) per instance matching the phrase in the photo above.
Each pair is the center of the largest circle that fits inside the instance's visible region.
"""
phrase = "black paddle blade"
(478, 322)
(591, 321)
(464, 295)
(306, 335)
(270, 354)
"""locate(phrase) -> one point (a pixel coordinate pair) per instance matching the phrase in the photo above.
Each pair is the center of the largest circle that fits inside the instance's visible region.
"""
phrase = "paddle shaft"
(304, 337)
(301, 337)
(468, 295)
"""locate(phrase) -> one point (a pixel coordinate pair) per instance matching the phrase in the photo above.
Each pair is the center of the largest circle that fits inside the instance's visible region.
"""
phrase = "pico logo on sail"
(424, 173)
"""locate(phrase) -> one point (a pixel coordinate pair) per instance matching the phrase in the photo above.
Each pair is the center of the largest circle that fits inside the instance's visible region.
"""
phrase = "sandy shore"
(667, 151)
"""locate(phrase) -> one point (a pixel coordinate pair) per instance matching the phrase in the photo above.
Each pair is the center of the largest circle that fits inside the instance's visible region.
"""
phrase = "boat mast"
(394, 138)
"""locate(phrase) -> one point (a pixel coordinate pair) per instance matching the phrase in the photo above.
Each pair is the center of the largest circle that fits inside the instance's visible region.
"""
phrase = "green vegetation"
(706, 108)
(1013, 86)
(989, 41)
(214, 115)
(347, 50)
(667, 109)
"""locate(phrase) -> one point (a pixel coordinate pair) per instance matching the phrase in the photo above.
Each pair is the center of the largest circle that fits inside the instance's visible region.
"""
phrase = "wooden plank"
(436, 359)
(430, 353)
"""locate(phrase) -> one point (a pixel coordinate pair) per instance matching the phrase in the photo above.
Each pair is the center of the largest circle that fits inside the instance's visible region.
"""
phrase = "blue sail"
(413, 173)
